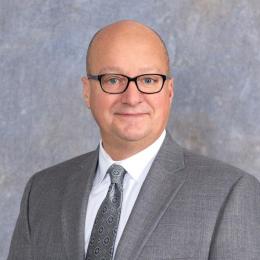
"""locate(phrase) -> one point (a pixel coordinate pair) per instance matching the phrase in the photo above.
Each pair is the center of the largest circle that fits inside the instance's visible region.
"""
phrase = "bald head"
(123, 32)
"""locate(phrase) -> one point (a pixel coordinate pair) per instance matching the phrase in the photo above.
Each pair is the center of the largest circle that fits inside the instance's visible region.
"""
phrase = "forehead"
(126, 48)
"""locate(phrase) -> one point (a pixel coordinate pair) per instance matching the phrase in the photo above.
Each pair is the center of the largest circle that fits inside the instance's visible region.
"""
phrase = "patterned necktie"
(103, 235)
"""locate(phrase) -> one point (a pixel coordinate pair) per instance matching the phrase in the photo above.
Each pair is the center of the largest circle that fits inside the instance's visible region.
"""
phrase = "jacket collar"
(159, 189)
(74, 205)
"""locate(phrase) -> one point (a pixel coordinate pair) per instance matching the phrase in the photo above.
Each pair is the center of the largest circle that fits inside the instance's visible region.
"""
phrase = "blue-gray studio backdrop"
(214, 47)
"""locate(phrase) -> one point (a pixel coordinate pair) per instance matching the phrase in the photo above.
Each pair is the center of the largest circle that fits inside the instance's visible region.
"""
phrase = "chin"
(133, 136)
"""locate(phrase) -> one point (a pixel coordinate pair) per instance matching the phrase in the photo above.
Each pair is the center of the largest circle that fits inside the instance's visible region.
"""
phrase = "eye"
(148, 80)
(113, 81)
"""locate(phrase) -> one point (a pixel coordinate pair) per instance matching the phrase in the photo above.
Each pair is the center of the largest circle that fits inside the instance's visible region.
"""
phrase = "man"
(157, 200)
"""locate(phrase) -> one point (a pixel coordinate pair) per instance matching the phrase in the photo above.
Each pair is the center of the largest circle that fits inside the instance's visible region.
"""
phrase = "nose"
(132, 96)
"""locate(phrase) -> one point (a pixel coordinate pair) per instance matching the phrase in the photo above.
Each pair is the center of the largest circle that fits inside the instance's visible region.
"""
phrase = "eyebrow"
(111, 69)
(116, 69)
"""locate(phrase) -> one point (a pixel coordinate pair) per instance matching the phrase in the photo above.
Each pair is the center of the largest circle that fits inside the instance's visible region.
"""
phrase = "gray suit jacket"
(189, 207)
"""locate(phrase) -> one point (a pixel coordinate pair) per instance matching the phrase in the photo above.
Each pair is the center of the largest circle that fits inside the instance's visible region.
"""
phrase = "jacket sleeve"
(20, 247)
(237, 232)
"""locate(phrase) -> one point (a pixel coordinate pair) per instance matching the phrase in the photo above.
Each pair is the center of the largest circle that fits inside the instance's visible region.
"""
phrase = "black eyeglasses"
(118, 83)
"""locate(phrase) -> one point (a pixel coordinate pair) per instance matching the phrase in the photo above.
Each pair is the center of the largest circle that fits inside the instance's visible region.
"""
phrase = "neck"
(122, 150)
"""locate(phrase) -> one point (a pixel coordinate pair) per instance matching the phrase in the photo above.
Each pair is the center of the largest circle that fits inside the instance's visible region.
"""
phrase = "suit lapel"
(75, 204)
(159, 189)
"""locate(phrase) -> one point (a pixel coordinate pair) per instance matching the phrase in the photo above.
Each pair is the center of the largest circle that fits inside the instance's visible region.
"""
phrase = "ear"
(86, 91)
(171, 89)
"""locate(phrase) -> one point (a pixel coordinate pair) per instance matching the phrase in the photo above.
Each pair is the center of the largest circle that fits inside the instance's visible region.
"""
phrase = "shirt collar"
(134, 165)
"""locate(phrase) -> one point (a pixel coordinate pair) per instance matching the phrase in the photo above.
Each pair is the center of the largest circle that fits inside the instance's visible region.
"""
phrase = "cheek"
(101, 105)
(160, 103)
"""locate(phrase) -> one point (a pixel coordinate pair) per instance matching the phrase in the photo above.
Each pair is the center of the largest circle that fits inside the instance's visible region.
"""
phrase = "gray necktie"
(103, 235)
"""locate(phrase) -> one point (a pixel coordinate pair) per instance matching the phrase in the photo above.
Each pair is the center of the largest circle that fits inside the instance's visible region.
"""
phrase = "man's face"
(130, 118)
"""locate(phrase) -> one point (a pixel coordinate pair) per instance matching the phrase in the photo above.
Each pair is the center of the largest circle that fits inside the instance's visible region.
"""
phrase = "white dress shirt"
(137, 167)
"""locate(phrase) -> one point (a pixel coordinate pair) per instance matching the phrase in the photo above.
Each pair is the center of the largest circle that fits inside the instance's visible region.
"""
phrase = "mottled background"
(215, 52)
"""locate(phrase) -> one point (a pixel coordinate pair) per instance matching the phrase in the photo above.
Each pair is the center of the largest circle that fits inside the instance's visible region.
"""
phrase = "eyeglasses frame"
(99, 77)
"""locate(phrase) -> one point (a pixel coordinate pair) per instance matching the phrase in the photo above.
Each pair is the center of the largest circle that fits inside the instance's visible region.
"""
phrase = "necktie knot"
(117, 173)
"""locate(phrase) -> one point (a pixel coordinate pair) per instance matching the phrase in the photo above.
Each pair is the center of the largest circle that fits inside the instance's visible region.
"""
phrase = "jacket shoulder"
(214, 171)
(61, 172)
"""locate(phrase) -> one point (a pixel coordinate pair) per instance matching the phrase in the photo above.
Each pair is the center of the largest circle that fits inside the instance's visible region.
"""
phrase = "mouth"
(131, 114)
